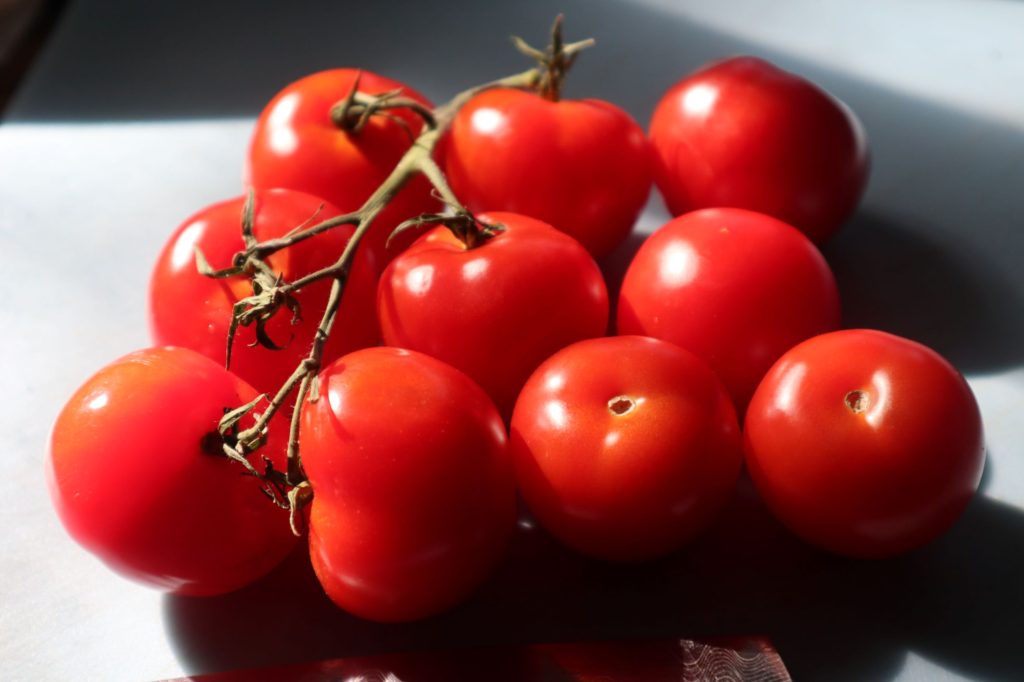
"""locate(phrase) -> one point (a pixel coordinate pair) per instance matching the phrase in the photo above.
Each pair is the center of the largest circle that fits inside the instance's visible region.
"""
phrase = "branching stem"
(352, 113)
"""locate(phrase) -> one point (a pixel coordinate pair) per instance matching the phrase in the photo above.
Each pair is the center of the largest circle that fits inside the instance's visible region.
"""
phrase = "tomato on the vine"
(625, 447)
(744, 133)
(413, 491)
(737, 288)
(191, 310)
(138, 476)
(297, 145)
(584, 166)
(496, 310)
(864, 443)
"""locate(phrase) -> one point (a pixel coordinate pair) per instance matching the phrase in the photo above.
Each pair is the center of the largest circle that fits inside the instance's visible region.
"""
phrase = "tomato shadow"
(957, 601)
(940, 291)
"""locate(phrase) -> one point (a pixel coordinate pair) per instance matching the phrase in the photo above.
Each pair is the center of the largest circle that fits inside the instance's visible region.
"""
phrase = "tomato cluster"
(473, 362)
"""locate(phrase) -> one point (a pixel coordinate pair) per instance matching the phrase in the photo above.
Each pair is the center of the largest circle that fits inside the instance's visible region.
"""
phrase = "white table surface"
(137, 114)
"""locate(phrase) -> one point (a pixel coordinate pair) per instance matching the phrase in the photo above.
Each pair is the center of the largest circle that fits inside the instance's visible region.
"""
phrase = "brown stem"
(417, 160)
(555, 61)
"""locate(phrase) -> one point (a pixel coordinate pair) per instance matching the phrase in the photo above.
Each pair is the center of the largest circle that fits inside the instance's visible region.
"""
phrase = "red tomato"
(581, 166)
(735, 287)
(414, 497)
(138, 476)
(625, 447)
(864, 443)
(495, 311)
(191, 310)
(296, 145)
(744, 133)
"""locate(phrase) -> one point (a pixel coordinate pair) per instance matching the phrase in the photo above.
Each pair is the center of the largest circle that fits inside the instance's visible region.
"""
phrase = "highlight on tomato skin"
(495, 311)
(189, 309)
(744, 133)
(296, 145)
(137, 477)
(864, 443)
(625, 447)
(413, 492)
(583, 166)
(738, 288)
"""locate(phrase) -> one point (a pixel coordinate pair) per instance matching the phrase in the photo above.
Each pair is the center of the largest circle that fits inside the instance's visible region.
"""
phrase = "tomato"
(495, 311)
(625, 447)
(745, 133)
(138, 477)
(583, 166)
(864, 443)
(735, 287)
(296, 145)
(191, 310)
(413, 492)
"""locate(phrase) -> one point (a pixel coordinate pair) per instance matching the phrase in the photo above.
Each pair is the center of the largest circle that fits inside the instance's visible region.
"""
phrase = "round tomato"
(735, 287)
(582, 166)
(864, 443)
(138, 476)
(191, 310)
(744, 133)
(413, 491)
(625, 447)
(497, 310)
(297, 145)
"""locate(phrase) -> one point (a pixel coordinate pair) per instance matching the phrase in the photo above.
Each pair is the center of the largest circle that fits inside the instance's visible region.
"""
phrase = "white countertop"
(137, 114)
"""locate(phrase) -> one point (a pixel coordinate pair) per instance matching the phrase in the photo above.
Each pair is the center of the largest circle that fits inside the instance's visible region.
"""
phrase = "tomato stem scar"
(856, 401)
(621, 405)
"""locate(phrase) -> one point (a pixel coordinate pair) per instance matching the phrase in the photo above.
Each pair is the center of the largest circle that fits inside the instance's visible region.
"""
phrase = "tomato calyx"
(353, 113)
(466, 227)
(555, 60)
(269, 290)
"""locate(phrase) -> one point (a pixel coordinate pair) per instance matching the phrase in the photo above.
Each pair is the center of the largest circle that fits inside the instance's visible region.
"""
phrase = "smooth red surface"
(632, 485)
(582, 166)
(496, 311)
(735, 287)
(414, 496)
(296, 145)
(745, 133)
(191, 310)
(133, 485)
(875, 482)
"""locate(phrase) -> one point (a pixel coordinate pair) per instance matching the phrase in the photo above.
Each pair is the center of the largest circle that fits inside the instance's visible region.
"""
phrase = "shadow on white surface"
(955, 602)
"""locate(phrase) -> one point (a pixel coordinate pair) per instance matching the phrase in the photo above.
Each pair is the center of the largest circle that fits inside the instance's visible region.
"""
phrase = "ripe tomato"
(864, 443)
(414, 497)
(582, 166)
(191, 310)
(735, 287)
(495, 311)
(296, 145)
(625, 447)
(744, 133)
(138, 477)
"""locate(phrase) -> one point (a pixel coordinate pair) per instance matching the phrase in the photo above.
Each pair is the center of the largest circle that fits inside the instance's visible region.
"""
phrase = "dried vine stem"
(352, 113)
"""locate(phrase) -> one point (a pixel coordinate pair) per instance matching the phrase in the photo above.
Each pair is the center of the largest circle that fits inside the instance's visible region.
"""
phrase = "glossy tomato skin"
(744, 133)
(296, 145)
(864, 443)
(495, 311)
(583, 166)
(735, 287)
(137, 479)
(625, 447)
(414, 496)
(190, 310)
